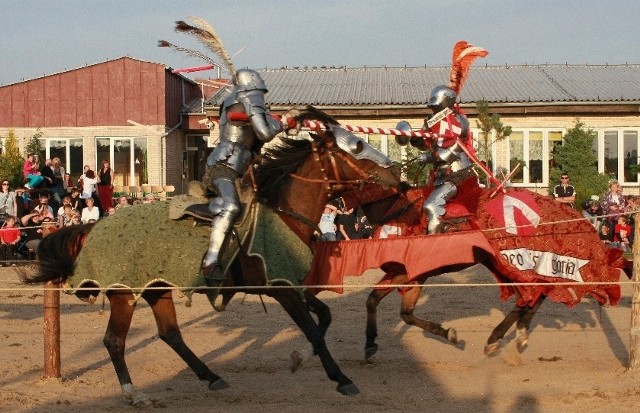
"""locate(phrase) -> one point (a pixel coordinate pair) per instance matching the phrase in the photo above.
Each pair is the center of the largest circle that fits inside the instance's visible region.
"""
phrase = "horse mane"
(275, 165)
(57, 253)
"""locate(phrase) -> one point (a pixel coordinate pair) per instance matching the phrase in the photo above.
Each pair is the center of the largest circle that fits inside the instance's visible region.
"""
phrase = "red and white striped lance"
(315, 125)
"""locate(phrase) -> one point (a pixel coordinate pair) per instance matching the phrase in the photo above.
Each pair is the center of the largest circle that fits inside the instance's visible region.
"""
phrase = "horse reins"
(331, 185)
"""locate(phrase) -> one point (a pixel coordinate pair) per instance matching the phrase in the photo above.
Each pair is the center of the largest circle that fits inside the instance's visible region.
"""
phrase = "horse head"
(302, 174)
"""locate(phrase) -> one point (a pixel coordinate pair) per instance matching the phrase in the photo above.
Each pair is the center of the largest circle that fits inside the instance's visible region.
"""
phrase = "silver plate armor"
(233, 153)
(358, 148)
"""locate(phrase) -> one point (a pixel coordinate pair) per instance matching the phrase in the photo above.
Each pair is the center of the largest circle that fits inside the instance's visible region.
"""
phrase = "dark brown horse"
(472, 214)
(295, 179)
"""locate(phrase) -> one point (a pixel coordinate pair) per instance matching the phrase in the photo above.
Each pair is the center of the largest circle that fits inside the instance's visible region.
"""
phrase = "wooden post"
(52, 330)
(634, 331)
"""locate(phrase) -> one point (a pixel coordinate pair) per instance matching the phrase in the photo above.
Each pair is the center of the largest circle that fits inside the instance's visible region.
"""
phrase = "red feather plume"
(463, 56)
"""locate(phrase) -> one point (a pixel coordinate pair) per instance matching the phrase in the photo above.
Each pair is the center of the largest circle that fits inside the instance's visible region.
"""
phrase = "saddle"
(195, 203)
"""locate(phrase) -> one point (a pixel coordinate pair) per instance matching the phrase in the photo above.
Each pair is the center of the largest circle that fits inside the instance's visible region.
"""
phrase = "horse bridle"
(334, 184)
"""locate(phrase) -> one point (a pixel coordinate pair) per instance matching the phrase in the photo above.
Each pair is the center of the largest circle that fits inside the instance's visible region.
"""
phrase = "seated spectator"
(65, 218)
(68, 182)
(366, 230)
(43, 208)
(9, 238)
(77, 202)
(150, 198)
(32, 227)
(90, 212)
(111, 211)
(327, 223)
(65, 201)
(31, 172)
(123, 202)
(606, 236)
(622, 233)
(613, 202)
(592, 210)
(76, 219)
(347, 225)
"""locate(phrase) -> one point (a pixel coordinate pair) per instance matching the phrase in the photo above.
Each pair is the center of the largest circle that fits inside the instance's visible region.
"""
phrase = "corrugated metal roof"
(370, 86)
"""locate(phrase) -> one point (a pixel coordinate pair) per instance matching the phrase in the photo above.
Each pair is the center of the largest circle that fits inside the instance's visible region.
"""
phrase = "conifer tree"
(11, 161)
(577, 158)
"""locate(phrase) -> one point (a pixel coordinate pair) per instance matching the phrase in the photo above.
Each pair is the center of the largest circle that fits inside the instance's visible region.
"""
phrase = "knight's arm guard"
(265, 127)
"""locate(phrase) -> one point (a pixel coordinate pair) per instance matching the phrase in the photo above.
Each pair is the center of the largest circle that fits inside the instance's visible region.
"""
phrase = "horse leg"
(293, 304)
(523, 316)
(523, 323)
(322, 311)
(410, 297)
(370, 346)
(164, 311)
(115, 341)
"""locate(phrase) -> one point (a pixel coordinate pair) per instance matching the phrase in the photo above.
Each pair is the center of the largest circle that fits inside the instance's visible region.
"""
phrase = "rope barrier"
(329, 286)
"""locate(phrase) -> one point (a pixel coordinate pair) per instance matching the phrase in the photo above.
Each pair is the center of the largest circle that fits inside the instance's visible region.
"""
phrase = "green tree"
(11, 161)
(489, 122)
(416, 173)
(577, 158)
(34, 146)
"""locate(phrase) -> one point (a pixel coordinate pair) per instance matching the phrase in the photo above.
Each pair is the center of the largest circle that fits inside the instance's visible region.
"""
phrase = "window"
(534, 164)
(630, 148)
(69, 150)
(516, 156)
(555, 139)
(128, 159)
(611, 153)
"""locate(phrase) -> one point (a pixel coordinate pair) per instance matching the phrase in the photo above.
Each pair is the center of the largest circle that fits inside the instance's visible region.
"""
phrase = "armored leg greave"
(226, 208)
(435, 204)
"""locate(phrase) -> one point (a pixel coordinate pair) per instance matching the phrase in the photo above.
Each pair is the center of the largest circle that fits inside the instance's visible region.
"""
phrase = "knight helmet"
(250, 80)
(442, 97)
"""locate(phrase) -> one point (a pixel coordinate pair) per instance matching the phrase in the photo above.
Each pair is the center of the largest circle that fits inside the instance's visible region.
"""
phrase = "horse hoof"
(370, 351)
(452, 336)
(492, 349)
(522, 345)
(296, 361)
(349, 389)
(133, 397)
(218, 385)
(522, 339)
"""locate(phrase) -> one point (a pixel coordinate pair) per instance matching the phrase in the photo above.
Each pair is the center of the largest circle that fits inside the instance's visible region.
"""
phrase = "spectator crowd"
(612, 214)
(50, 199)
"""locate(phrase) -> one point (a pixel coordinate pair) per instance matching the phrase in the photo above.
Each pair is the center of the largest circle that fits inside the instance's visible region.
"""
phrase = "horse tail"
(57, 253)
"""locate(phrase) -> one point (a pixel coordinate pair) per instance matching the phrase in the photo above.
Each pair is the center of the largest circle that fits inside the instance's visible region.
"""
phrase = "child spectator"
(622, 232)
(9, 238)
(605, 234)
(327, 223)
(31, 172)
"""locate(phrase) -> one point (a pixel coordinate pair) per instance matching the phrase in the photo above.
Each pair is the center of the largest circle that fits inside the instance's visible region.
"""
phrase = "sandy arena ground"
(576, 360)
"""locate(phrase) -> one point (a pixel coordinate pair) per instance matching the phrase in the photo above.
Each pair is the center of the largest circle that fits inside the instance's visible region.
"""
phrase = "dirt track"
(576, 360)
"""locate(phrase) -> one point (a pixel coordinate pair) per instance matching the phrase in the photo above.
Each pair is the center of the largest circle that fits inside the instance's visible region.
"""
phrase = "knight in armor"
(239, 141)
(453, 129)
(453, 141)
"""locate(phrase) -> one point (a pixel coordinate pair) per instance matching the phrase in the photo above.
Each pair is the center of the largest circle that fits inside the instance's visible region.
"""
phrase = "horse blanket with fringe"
(141, 246)
(532, 238)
